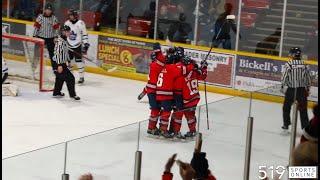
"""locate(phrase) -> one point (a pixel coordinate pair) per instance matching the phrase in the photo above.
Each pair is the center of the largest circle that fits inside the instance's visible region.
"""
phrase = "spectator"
(180, 31)
(86, 177)
(24, 9)
(150, 16)
(305, 154)
(186, 171)
(206, 20)
(200, 164)
(269, 44)
(198, 169)
(311, 131)
(222, 28)
(311, 43)
(150, 13)
(108, 9)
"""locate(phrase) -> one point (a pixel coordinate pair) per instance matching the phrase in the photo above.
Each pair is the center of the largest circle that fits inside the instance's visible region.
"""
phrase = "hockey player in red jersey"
(177, 92)
(165, 95)
(190, 93)
(157, 64)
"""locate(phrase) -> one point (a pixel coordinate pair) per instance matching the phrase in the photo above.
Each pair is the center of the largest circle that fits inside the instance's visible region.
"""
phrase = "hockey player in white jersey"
(7, 88)
(78, 41)
(4, 70)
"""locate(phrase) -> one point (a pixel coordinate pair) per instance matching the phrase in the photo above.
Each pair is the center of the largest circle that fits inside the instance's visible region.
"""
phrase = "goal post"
(26, 60)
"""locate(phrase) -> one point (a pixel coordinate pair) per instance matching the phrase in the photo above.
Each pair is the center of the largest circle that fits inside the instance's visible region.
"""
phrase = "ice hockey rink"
(35, 120)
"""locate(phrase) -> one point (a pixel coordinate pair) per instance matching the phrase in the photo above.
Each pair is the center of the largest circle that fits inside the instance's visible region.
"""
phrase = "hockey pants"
(78, 60)
(64, 76)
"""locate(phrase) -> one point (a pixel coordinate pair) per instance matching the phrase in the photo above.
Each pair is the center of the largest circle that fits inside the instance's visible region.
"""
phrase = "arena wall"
(229, 72)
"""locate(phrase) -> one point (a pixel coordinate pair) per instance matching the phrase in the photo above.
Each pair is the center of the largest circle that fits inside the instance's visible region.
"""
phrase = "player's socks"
(153, 119)
(177, 121)
(191, 119)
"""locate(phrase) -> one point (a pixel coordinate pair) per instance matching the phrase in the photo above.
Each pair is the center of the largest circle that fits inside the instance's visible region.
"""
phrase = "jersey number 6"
(160, 80)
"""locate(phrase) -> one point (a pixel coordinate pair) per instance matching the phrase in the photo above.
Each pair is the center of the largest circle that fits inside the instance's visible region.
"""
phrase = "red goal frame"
(41, 44)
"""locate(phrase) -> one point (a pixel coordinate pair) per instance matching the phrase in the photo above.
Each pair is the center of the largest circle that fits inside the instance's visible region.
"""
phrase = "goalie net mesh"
(24, 56)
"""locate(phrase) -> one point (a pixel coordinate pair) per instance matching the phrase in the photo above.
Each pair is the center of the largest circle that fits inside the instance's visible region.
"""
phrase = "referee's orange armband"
(56, 26)
(37, 25)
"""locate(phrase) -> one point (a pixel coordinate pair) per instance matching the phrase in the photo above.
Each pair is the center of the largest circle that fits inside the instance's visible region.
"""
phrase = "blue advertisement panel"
(257, 74)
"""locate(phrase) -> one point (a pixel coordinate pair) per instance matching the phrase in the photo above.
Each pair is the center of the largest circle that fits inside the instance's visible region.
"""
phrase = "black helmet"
(171, 50)
(295, 52)
(179, 51)
(186, 60)
(73, 12)
(48, 6)
(65, 28)
(182, 17)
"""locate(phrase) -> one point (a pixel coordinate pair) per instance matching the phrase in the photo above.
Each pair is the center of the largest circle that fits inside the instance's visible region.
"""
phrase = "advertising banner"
(124, 55)
(13, 46)
(220, 66)
(257, 74)
(134, 57)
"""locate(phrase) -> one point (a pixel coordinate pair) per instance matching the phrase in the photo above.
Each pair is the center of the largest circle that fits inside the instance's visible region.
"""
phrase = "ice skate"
(81, 81)
(58, 95)
(166, 134)
(77, 98)
(190, 134)
(153, 132)
(285, 130)
(178, 136)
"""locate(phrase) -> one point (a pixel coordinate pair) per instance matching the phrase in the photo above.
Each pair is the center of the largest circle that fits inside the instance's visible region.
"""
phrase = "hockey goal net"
(24, 57)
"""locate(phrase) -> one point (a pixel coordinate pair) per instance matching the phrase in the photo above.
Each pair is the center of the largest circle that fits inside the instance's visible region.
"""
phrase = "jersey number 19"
(193, 86)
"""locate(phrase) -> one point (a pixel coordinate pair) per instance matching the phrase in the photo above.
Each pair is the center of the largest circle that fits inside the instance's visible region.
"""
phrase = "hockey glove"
(204, 64)
(141, 95)
(196, 67)
(156, 47)
(85, 48)
(282, 90)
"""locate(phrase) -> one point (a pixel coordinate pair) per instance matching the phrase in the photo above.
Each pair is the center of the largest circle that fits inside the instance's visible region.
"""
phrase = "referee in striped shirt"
(46, 27)
(61, 58)
(298, 80)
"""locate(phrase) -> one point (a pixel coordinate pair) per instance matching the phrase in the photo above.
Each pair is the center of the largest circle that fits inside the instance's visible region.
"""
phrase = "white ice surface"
(35, 120)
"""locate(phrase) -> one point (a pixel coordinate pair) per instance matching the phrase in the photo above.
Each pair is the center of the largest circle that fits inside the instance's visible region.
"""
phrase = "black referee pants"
(49, 43)
(65, 76)
(302, 106)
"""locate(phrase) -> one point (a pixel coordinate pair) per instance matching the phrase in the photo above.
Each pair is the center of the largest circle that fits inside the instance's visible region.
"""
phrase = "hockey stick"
(205, 60)
(205, 88)
(96, 62)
